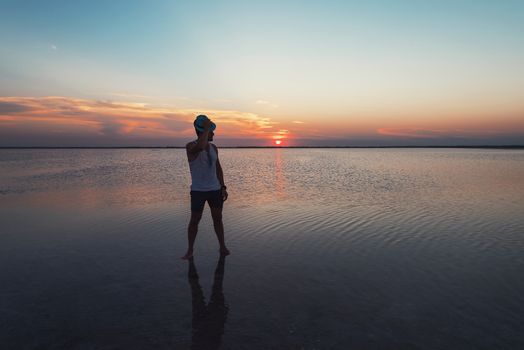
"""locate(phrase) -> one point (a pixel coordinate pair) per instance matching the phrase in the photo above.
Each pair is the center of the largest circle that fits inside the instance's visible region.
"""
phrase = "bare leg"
(192, 231)
(216, 213)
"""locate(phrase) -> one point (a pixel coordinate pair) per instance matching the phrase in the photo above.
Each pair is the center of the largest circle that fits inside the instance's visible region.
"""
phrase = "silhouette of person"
(207, 183)
(208, 320)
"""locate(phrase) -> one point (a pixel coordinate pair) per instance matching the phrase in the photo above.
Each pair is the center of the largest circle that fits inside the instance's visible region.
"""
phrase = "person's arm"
(192, 148)
(220, 175)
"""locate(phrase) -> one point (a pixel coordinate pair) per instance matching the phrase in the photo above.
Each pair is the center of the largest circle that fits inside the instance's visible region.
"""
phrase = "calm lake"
(331, 249)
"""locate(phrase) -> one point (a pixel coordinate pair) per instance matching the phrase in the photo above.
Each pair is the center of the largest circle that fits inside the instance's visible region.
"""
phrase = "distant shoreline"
(263, 147)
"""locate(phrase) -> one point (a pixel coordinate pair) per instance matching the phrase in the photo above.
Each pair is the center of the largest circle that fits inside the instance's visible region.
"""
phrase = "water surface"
(332, 249)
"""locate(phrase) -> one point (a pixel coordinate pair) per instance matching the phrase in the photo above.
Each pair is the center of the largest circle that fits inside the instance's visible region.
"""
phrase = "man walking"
(207, 183)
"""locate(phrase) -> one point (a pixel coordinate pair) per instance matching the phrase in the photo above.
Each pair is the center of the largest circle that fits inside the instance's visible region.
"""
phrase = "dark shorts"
(199, 198)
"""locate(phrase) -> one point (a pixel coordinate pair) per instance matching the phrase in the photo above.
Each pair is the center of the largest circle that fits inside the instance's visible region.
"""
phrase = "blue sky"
(342, 69)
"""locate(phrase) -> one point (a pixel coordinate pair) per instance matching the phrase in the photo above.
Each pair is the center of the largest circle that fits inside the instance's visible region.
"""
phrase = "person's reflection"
(208, 320)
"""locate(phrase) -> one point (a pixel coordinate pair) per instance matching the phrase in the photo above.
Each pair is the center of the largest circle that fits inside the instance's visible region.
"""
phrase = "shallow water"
(332, 249)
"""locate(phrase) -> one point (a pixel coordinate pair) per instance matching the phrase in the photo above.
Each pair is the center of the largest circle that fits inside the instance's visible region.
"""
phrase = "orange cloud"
(281, 134)
(122, 119)
(57, 120)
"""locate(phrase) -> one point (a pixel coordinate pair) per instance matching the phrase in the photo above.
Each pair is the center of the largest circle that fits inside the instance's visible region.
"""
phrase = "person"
(207, 183)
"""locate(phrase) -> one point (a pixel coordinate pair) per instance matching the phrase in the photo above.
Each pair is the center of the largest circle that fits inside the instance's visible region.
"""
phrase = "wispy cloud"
(266, 103)
(64, 120)
(130, 95)
(223, 100)
(121, 119)
(280, 134)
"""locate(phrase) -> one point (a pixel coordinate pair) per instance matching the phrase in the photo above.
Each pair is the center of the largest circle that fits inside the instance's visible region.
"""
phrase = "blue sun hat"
(199, 122)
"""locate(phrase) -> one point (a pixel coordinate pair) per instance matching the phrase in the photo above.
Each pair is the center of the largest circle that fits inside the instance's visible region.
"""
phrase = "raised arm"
(193, 148)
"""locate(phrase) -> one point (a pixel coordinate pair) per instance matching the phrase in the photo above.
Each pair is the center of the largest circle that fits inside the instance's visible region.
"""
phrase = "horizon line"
(275, 147)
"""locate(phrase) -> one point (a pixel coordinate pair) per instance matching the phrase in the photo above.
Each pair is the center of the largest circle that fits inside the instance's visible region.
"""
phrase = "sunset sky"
(314, 73)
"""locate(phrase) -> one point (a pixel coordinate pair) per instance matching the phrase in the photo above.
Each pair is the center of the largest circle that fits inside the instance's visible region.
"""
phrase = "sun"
(278, 142)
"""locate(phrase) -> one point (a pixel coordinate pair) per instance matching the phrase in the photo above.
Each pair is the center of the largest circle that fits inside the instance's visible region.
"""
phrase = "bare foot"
(224, 251)
(188, 255)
